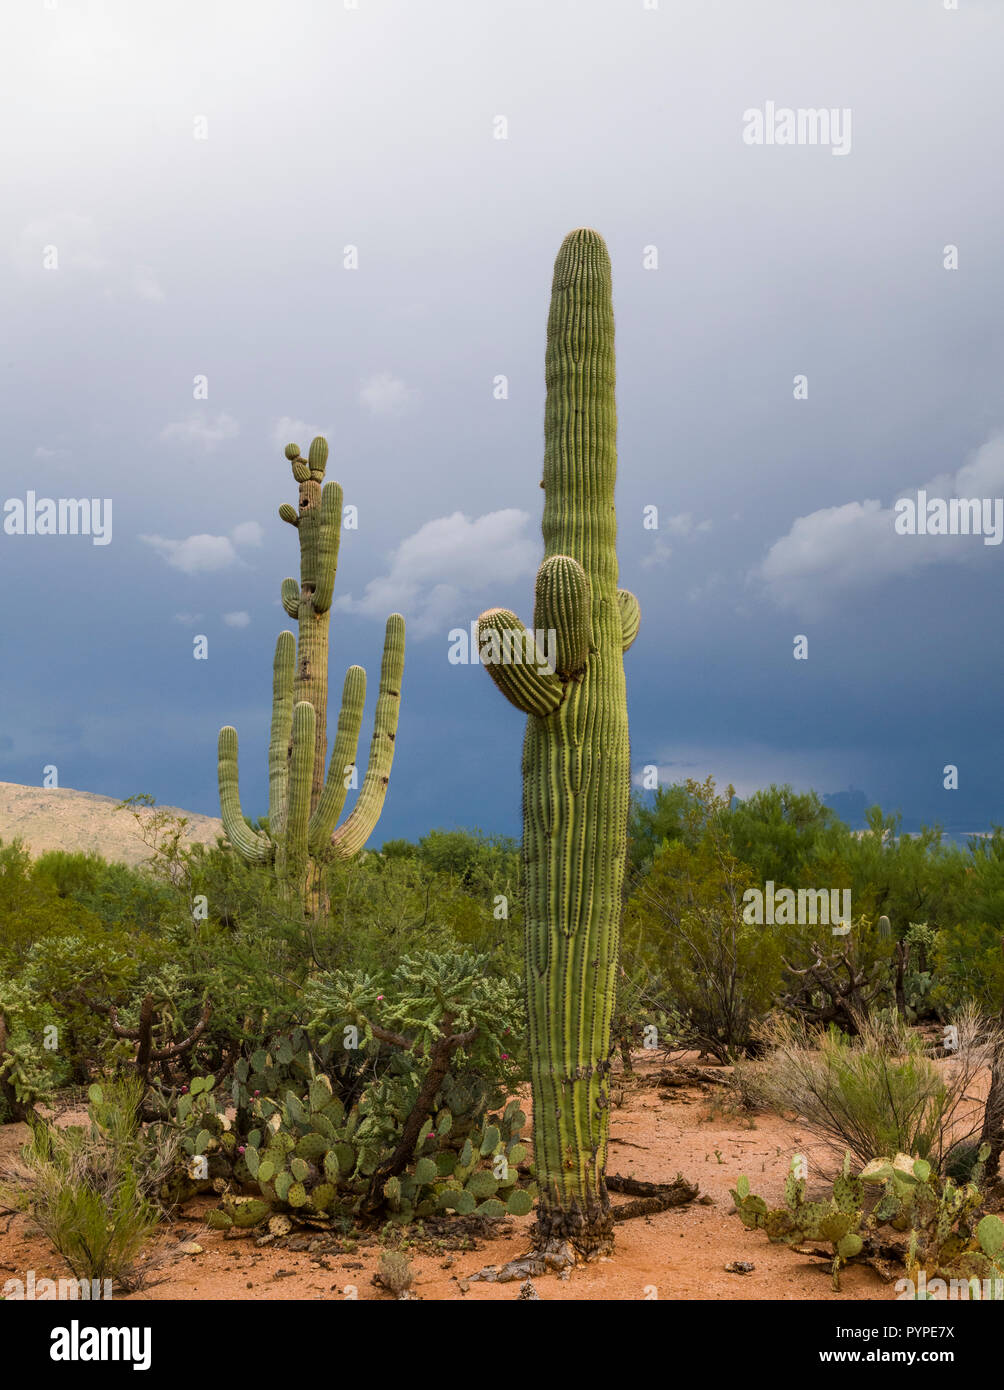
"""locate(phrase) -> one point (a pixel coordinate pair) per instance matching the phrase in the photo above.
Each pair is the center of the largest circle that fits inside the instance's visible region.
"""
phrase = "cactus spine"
(576, 761)
(304, 805)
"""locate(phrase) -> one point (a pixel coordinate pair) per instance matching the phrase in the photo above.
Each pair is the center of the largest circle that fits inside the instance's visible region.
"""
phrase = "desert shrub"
(839, 980)
(779, 833)
(89, 1189)
(641, 1018)
(969, 964)
(685, 923)
(654, 822)
(905, 877)
(119, 896)
(382, 905)
(878, 1093)
(30, 910)
(747, 1088)
(67, 971)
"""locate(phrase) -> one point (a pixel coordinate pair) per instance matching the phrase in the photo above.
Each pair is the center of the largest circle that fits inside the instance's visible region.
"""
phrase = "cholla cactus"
(304, 806)
(576, 770)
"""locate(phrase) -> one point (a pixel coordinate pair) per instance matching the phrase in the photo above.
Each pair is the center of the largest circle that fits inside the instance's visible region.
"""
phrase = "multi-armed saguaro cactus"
(303, 806)
(576, 768)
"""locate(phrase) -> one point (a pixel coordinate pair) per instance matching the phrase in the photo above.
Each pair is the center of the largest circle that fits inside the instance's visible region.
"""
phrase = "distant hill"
(61, 818)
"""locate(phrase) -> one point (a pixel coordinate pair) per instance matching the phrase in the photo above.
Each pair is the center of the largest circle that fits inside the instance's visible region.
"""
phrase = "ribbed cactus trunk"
(304, 805)
(576, 760)
(310, 681)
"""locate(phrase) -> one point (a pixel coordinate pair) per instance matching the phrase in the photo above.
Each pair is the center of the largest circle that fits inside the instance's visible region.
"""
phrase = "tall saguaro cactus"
(303, 804)
(576, 761)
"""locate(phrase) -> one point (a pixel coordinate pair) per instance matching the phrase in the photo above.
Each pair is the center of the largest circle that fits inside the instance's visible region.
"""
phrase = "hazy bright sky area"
(200, 169)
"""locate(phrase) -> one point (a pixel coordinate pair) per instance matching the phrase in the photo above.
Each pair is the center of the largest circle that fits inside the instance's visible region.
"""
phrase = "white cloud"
(247, 533)
(658, 555)
(196, 554)
(202, 430)
(188, 619)
(204, 553)
(240, 619)
(386, 394)
(288, 430)
(437, 574)
(683, 524)
(839, 550)
(41, 452)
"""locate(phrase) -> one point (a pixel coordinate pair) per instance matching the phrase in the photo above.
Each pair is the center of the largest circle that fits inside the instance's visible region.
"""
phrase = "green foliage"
(90, 1188)
(879, 1092)
(416, 997)
(794, 840)
(118, 896)
(779, 833)
(384, 903)
(317, 1123)
(30, 909)
(656, 822)
(947, 1238)
(684, 922)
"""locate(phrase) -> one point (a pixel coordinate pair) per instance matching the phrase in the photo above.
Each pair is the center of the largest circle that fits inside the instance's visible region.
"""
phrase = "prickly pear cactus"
(301, 1153)
(946, 1237)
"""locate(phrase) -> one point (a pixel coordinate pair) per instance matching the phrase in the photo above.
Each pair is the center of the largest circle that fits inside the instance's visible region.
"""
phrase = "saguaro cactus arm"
(291, 597)
(282, 722)
(527, 682)
(350, 837)
(250, 844)
(563, 604)
(301, 771)
(329, 535)
(630, 615)
(343, 756)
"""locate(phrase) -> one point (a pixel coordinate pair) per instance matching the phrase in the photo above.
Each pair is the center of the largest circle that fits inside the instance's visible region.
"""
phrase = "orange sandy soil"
(676, 1254)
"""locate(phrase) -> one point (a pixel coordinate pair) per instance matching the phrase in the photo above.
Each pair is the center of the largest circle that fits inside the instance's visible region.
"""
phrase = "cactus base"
(574, 1232)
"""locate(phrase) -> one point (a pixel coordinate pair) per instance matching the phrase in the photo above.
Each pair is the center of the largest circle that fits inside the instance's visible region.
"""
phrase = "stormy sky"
(805, 334)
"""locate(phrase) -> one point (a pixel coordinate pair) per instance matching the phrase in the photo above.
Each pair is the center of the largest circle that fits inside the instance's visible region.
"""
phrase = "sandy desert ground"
(681, 1253)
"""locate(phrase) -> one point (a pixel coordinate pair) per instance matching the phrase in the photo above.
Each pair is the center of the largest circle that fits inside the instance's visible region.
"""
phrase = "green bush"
(89, 1189)
(684, 927)
(879, 1092)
